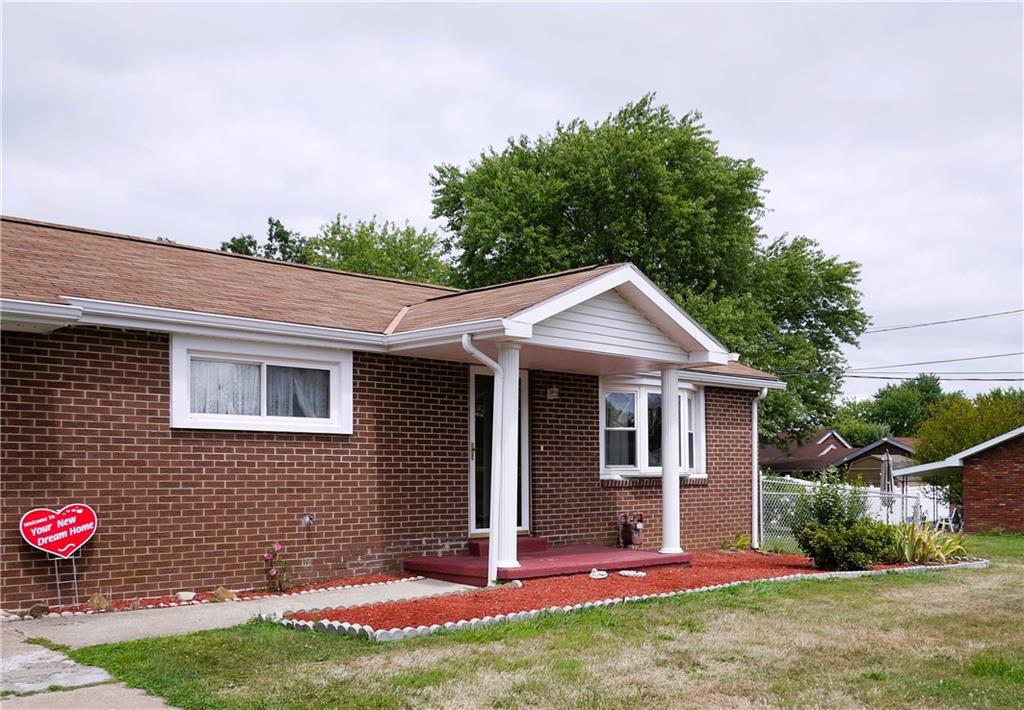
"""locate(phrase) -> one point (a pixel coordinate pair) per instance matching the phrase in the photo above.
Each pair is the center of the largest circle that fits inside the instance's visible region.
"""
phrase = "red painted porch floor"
(549, 562)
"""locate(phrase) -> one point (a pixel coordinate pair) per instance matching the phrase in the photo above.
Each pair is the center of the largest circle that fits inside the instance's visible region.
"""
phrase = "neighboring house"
(865, 464)
(993, 481)
(794, 456)
(205, 403)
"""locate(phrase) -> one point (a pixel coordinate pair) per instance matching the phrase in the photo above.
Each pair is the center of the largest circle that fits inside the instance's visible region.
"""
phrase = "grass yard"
(932, 639)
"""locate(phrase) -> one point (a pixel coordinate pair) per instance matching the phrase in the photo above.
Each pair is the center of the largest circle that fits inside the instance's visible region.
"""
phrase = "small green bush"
(841, 546)
(829, 527)
(739, 541)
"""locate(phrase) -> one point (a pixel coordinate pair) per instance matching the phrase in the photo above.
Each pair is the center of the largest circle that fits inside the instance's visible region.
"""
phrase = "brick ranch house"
(993, 481)
(204, 403)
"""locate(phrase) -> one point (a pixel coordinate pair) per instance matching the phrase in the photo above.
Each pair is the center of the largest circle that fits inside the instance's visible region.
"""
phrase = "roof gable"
(607, 322)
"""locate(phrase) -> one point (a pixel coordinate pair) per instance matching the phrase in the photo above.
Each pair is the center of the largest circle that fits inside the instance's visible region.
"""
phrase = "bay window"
(222, 384)
(631, 428)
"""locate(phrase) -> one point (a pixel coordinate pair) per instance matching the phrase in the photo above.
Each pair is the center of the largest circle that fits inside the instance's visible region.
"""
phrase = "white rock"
(67, 613)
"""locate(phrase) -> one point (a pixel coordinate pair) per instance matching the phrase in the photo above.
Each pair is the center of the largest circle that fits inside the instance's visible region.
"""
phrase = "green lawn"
(932, 639)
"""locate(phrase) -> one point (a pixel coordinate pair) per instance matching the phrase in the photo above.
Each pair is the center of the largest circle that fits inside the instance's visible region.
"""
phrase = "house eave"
(36, 316)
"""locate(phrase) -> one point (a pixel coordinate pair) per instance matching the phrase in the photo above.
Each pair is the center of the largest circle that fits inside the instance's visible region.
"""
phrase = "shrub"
(739, 541)
(841, 546)
(829, 527)
(922, 545)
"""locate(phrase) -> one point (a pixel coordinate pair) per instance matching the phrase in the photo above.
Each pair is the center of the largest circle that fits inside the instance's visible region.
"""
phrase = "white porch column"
(507, 477)
(670, 461)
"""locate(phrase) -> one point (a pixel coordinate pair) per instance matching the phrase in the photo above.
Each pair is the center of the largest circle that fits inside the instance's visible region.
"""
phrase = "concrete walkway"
(79, 631)
(28, 668)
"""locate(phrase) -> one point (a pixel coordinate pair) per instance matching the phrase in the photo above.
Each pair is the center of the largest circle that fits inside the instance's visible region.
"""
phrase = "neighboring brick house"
(993, 481)
(205, 403)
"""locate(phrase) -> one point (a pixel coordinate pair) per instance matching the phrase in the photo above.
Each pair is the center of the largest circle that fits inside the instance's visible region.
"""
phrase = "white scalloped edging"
(166, 605)
(368, 632)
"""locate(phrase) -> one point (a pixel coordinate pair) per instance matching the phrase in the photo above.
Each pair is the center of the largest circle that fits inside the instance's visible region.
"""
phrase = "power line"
(941, 379)
(932, 362)
(949, 372)
(941, 322)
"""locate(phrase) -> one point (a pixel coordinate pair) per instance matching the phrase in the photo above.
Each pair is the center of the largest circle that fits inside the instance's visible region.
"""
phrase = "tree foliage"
(894, 410)
(904, 406)
(853, 422)
(957, 423)
(377, 248)
(647, 187)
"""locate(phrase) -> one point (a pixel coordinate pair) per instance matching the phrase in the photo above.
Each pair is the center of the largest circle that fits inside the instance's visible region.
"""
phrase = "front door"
(481, 422)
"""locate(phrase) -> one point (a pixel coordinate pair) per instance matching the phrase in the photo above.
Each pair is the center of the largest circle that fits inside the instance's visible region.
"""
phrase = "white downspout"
(755, 481)
(496, 430)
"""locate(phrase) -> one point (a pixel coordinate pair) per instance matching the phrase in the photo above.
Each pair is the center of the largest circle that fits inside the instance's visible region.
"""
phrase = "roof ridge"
(542, 277)
(163, 242)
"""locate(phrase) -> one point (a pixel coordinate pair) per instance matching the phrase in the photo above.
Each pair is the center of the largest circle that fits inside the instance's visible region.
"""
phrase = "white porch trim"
(670, 540)
(503, 534)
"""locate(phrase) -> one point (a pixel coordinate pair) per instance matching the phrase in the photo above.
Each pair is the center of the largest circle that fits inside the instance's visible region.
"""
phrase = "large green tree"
(904, 406)
(378, 248)
(647, 187)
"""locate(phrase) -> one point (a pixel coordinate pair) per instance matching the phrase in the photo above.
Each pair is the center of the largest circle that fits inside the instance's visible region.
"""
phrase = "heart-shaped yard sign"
(59, 532)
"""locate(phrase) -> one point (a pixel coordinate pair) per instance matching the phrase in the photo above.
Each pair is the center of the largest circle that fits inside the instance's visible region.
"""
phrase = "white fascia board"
(445, 334)
(169, 320)
(646, 297)
(36, 316)
(925, 469)
(734, 381)
(837, 435)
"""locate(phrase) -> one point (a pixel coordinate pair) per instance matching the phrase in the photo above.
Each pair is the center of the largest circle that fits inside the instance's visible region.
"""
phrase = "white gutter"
(755, 497)
(492, 548)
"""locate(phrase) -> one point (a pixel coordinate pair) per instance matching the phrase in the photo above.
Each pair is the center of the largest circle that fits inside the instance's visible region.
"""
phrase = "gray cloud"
(891, 133)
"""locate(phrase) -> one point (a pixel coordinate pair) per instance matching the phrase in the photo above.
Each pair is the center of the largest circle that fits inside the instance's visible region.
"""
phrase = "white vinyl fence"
(778, 496)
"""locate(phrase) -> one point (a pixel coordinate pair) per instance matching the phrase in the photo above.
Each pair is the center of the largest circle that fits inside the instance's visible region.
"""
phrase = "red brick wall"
(86, 418)
(994, 488)
(571, 504)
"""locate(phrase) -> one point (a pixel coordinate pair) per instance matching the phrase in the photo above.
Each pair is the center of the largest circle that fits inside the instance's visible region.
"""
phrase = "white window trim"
(639, 403)
(643, 469)
(337, 362)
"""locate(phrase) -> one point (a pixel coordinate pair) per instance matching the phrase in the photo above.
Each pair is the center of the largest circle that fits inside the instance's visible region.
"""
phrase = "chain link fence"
(779, 496)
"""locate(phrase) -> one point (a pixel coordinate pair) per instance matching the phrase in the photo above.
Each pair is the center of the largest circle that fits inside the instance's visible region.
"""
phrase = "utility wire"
(941, 322)
(931, 362)
(941, 379)
(948, 372)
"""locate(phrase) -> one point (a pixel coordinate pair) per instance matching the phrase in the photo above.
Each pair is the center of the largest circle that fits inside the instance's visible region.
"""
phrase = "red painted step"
(478, 547)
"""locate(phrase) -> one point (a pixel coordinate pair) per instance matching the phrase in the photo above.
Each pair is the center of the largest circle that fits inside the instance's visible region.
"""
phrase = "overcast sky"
(891, 133)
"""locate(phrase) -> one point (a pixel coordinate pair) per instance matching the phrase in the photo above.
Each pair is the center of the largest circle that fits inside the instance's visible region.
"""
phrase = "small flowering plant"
(278, 575)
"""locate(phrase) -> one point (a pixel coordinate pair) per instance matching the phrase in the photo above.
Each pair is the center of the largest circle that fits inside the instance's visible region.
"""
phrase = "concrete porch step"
(478, 547)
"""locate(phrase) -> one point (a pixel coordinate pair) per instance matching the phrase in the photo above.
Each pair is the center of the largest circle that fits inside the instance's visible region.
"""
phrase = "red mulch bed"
(708, 568)
(201, 597)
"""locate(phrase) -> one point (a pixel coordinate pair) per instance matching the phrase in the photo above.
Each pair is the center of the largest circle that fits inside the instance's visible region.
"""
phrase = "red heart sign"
(61, 532)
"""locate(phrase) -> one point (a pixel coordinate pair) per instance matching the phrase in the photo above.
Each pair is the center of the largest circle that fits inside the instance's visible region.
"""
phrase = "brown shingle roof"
(42, 262)
(495, 301)
(809, 456)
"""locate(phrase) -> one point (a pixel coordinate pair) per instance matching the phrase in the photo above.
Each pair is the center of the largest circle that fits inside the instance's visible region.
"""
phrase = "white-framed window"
(251, 386)
(620, 429)
(631, 428)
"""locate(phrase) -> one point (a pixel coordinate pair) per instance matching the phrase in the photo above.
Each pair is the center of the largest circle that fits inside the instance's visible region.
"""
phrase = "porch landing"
(541, 561)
